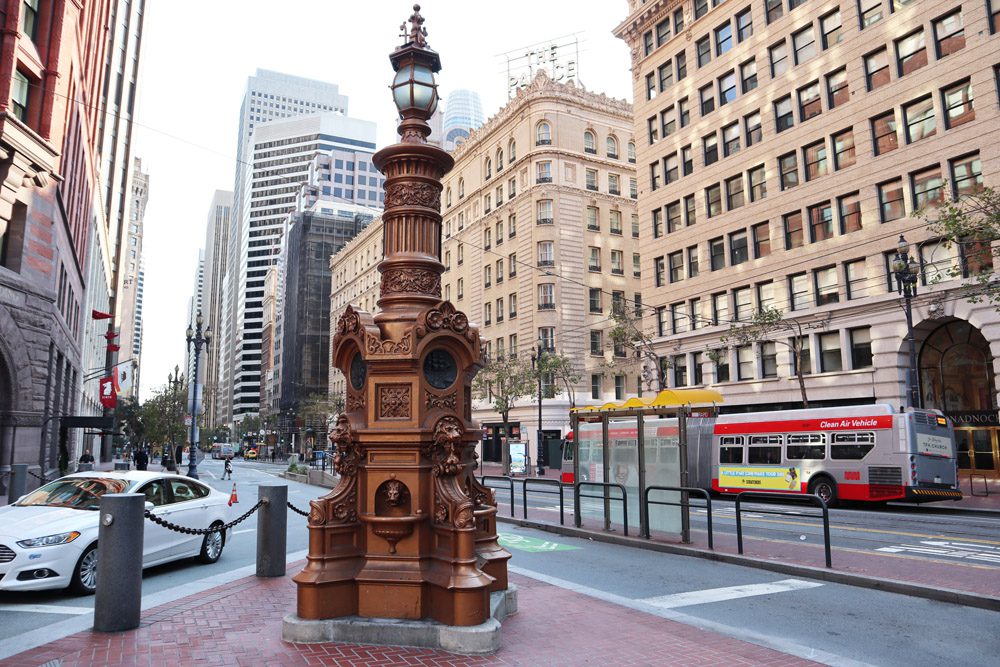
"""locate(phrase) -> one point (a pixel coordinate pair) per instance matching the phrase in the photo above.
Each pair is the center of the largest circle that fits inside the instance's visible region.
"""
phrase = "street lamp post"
(198, 338)
(174, 381)
(906, 271)
(536, 358)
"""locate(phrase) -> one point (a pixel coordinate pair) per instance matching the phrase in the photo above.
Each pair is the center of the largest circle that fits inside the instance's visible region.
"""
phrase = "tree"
(503, 382)
(972, 223)
(770, 324)
(630, 334)
(561, 369)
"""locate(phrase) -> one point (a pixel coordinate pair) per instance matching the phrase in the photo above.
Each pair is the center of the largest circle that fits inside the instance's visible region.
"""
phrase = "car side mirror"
(149, 506)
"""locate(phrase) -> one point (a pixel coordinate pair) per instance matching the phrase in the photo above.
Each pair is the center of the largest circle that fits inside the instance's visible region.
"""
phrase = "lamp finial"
(417, 33)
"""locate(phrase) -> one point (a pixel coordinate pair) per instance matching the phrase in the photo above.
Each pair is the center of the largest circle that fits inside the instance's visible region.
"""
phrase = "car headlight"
(49, 540)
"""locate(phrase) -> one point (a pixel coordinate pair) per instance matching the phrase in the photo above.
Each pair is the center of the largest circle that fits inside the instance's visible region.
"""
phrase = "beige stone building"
(783, 148)
(356, 281)
(540, 236)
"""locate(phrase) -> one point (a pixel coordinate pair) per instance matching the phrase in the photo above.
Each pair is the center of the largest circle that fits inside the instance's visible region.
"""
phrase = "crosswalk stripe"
(45, 609)
(728, 593)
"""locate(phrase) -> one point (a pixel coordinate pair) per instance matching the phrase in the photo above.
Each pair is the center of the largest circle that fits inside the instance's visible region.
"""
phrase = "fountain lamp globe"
(414, 89)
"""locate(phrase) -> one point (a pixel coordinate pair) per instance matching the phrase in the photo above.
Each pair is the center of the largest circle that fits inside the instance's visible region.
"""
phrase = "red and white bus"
(858, 453)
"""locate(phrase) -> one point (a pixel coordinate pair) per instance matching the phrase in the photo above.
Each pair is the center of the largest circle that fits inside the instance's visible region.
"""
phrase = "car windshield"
(82, 493)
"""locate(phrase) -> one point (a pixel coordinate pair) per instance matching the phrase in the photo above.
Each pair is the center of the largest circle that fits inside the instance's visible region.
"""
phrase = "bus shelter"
(622, 449)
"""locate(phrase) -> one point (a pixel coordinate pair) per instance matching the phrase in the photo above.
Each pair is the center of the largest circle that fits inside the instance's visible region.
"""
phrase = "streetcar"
(864, 453)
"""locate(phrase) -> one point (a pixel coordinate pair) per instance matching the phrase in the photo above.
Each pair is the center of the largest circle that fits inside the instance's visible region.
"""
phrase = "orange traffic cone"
(232, 497)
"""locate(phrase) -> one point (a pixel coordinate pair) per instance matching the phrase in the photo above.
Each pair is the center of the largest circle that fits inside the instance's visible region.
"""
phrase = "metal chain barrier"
(39, 478)
(202, 531)
(297, 510)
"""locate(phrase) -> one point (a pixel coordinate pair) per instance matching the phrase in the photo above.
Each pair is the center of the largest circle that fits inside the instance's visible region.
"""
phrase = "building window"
(744, 362)
(804, 42)
(692, 258)
(657, 222)
(703, 50)
(487, 275)
(593, 220)
(958, 104)
(765, 296)
(738, 249)
(720, 308)
(671, 171)
(849, 210)
(544, 172)
(744, 25)
(659, 269)
(717, 253)
(594, 259)
(546, 296)
(731, 139)
(713, 200)
(673, 216)
(636, 265)
(591, 179)
(617, 263)
(815, 158)
(662, 32)
(707, 97)
(647, 43)
(689, 213)
(631, 152)
(675, 261)
(919, 118)
(779, 59)
(460, 288)
(679, 363)
(619, 387)
(683, 112)
(911, 53)
(758, 185)
(489, 168)
(754, 133)
(857, 279)
(615, 222)
(487, 310)
(773, 10)
(798, 291)
(19, 95)
(820, 222)
(723, 38)
(843, 149)
(543, 134)
(596, 300)
(687, 161)
(748, 76)
(829, 352)
(597, 343)
(927, 187)
(544, 211)
(678, 318)
(512, 264)
(734, 192)
(949, 33)
(890, 200)
(884, 133)
(809, 102)
(877, 69)
(668, 123)
(966, 175)
(512, 313)
(783, 118)
(768, 360)
(831, 27)
(546, 337)
(727, 88)
(788, 171)
(761, 240)
(825, 280)
(595, 385)
(546, 253)
(861, 347)
(837, 89)
(870, 11)
(794, 238)
(589, 143)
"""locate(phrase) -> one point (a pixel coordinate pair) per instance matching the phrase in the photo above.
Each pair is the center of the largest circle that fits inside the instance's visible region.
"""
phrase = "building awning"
(668, 398)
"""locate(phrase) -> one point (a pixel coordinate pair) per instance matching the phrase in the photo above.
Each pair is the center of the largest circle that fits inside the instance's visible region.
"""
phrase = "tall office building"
(463, 114)
(195, 305)
(216, 249)
(269, 96)
(784, 148)
(131, 266)
(282, 157)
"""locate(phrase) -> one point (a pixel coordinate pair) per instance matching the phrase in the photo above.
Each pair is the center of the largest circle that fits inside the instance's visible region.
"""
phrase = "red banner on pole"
(109, 397)
(98, 315)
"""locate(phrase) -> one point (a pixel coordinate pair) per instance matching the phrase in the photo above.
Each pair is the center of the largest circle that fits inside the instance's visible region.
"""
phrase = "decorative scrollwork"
(375, 345)
(317, 513)
(445, 316)
(393, 401)
(446, 402)
(440, 512)
(410, 280)
(355, 402)
(347, 511)
(349, 322)
(341, 436)
(464, 517)
(413, 194)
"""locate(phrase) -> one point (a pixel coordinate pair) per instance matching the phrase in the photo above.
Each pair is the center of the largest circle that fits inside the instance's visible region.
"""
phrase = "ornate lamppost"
(198, 339)
(174, 381)
(409, 532)
(536, 364)
(906, 271)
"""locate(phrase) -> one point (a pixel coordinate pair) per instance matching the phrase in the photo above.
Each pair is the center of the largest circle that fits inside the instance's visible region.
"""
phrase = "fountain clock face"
(440, 369)
(359, 370)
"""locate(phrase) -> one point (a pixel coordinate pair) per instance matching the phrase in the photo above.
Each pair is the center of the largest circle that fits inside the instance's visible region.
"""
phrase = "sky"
(197, 55)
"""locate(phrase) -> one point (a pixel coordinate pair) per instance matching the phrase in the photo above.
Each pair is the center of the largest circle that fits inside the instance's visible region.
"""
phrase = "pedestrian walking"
(167, 461)
(179, 455)
(227, 469)
(141, 459)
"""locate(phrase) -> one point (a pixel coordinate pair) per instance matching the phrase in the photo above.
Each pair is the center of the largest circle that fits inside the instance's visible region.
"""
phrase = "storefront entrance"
(977, 449)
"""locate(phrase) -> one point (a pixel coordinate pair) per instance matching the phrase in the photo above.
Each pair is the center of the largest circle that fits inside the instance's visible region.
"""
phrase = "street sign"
(187, 420)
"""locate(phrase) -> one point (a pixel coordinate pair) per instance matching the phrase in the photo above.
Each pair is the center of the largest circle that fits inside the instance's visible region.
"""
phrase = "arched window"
(631, 152)
(511, 151)
(589, 142)
(612, 147)
(499, 160)
(489, 168)
(447, 197)
(461, 188)
(543, 134)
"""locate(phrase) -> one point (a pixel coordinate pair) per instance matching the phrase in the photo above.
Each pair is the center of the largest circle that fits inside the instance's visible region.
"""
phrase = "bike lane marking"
(532, 544)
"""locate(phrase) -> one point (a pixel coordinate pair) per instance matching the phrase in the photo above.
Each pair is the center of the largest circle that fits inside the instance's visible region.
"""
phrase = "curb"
(911, 589)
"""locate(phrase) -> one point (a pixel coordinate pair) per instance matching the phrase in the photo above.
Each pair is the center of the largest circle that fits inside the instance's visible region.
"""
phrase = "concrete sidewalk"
(240, 624)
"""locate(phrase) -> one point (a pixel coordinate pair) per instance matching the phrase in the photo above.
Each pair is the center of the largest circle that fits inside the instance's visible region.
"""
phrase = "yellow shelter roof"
(668, 398)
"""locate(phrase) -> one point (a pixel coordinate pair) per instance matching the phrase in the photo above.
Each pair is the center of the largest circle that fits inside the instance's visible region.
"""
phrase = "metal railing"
(605, 497)
(986, 485)
(683, 503)
(502, 478)
(544, 482)
(784, 498)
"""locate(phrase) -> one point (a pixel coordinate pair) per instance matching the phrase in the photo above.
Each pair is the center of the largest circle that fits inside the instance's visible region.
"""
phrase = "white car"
(48, 538)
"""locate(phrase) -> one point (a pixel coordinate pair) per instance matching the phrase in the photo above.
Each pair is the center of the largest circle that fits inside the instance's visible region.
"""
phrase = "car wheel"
(212, 545)
(84, 581)
(825, 488)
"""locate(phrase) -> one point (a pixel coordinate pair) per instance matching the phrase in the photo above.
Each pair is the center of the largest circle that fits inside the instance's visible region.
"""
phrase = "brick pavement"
(239, 624)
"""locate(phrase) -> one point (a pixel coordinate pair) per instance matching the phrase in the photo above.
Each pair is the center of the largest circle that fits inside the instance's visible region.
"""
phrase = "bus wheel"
(825, 488)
